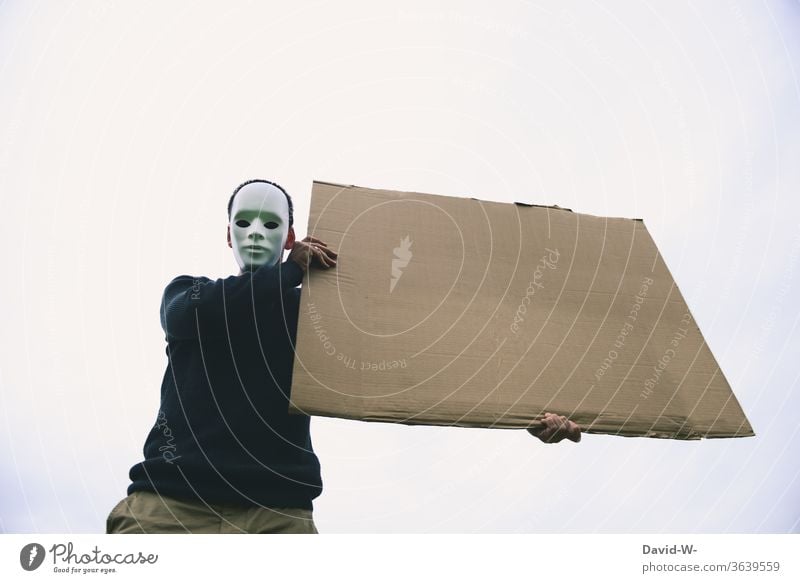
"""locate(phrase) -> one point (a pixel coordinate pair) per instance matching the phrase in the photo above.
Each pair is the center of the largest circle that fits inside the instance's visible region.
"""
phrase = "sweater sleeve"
(190, 304)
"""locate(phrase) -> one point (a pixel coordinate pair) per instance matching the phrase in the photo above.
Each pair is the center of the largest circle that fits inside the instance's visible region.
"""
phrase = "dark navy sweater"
(223, 433)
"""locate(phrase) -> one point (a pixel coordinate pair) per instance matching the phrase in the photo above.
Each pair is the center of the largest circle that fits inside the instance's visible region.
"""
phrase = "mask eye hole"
(271, 225)
(242, 223)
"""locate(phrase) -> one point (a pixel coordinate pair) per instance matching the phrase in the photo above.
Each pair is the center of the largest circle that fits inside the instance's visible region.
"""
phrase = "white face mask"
(259, 225)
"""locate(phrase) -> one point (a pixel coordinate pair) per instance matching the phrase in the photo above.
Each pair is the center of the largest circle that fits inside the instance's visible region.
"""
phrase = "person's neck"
(242, 271)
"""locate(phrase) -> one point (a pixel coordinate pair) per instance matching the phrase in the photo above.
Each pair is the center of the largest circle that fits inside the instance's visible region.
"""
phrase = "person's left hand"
(555, 428)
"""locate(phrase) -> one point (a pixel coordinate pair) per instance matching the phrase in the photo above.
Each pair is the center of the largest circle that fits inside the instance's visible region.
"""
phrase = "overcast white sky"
(124, 126)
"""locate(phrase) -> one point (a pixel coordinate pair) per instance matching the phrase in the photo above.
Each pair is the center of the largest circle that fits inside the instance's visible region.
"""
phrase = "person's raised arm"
(191, 304)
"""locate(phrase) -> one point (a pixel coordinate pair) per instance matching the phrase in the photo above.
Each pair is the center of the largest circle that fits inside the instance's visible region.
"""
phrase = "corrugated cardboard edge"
(516, 202)
(598, 427)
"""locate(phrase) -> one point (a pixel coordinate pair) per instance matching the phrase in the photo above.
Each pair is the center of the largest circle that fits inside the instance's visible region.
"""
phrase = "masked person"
(224, 454)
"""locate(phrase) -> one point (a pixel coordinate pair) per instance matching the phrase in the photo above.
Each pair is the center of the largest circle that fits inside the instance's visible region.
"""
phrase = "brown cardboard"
(458, 311)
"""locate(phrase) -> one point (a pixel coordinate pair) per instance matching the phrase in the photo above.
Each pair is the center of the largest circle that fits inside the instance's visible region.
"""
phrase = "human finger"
(330, 255)
(575, 431)
(323, 259)
(554, 436)
(553, 421)
(319, 256)
(329, 252)
(311, 239)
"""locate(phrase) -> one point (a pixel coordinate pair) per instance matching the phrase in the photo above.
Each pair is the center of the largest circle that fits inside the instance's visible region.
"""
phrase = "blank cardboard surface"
(457, 311)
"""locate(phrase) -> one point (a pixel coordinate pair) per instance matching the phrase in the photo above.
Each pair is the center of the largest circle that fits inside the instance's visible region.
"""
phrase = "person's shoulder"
(183, 282)
(180, 279)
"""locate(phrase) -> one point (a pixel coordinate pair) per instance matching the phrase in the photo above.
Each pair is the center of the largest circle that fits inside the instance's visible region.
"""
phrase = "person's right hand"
(314, 252)
(554, 428)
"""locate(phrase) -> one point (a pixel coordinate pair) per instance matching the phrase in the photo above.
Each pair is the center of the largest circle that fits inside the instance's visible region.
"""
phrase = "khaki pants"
(148, 513)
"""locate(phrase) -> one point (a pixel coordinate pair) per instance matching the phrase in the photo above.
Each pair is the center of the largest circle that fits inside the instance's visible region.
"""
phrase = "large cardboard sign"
(458, 311)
